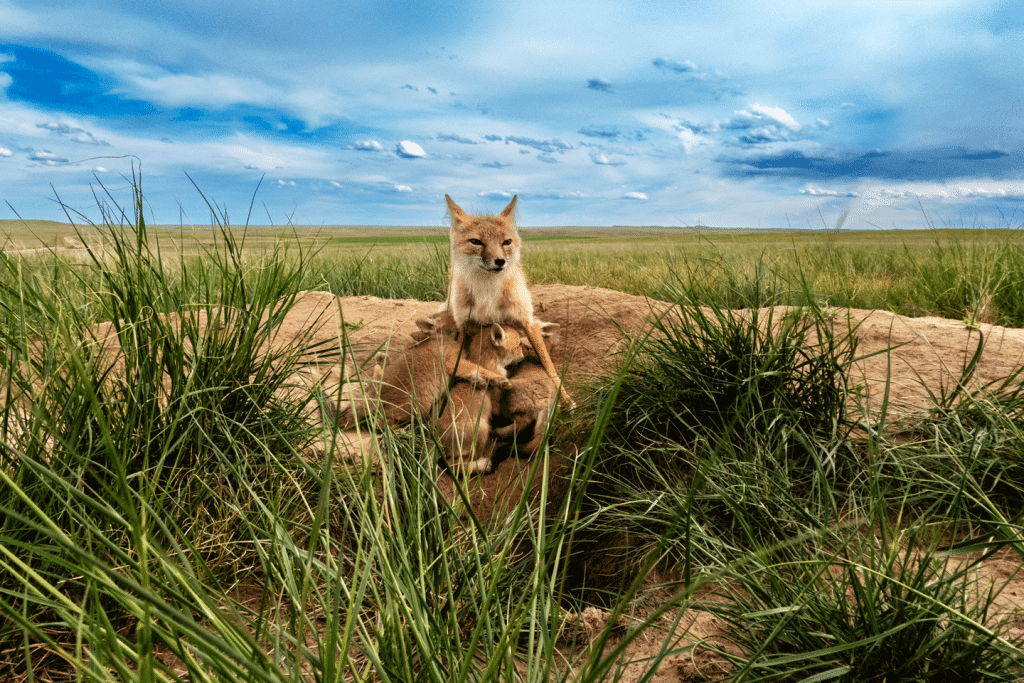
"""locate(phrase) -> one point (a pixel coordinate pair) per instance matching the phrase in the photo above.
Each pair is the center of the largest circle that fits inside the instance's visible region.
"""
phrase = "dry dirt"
(914, 355)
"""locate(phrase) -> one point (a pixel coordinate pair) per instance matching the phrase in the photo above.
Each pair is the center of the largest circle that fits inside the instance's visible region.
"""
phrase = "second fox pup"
(412, 381)
(487, 283)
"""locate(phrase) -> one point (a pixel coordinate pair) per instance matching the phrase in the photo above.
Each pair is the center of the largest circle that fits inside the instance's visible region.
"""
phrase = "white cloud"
(4, 152)
(636, 195)
(822, 192)
(100, 169)
(47, 158)
(366, 146)
(601, 159)
(409, 150)
(685, 66)
(213, 90)
(452, 137)
(286, 183)
(403, 188)
(776, 114)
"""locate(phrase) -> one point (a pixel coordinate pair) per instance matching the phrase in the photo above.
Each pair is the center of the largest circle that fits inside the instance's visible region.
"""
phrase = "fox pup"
(465, 427)
(465, 423)
(528, 403)
(416, 378)
(487, 284)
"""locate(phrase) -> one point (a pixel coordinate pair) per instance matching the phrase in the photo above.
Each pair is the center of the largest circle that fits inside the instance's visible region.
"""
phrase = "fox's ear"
(458, 215)
(497, 335)
(510, 210)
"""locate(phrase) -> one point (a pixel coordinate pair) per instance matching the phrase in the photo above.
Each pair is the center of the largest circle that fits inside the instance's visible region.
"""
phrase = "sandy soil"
(915, 355)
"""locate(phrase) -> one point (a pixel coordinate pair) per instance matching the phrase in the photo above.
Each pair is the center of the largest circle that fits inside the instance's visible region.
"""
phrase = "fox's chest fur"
(487, 297)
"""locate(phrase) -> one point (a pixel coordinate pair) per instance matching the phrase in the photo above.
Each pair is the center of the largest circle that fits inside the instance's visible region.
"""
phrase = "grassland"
(166, 522)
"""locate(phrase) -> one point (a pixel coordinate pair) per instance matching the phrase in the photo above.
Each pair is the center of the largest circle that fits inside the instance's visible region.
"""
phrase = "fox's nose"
(499, 262)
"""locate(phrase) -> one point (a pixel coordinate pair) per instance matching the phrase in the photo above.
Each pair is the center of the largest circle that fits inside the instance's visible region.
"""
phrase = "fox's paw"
(566, 400)
(481, 466)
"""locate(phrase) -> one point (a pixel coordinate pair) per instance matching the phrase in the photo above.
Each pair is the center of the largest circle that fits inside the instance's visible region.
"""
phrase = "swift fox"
(415, 379)
(527, 404)
(465, 427)
(486, 283)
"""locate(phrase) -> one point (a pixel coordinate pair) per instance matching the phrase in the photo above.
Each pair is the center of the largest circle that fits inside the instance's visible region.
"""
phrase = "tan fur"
(465, 426)
(414, 380)
(487, 283)
(528, 402)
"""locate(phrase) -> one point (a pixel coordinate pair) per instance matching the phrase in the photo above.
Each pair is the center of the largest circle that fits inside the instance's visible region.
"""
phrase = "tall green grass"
(166, 514)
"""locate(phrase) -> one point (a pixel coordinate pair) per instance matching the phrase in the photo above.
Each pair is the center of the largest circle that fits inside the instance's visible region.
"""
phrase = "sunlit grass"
(162, 517)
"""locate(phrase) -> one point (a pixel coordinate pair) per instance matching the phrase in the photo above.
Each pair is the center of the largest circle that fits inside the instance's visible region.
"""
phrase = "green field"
(162, 517)
(954, 273)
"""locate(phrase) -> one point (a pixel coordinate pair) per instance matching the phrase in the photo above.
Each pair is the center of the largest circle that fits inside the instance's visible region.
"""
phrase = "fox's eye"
(506, 243)
(476, 242)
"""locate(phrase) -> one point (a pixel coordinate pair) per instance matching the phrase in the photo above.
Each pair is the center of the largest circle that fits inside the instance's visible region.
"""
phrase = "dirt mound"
(912, 355)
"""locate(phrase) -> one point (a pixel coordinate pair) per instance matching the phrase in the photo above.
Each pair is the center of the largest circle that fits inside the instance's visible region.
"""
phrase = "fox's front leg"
(536, 338)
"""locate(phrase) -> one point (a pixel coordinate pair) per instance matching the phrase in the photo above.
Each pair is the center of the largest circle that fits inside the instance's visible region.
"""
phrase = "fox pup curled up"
(487, 283)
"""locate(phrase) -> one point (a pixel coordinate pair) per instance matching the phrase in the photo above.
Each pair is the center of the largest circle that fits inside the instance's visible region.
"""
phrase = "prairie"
(737, 498)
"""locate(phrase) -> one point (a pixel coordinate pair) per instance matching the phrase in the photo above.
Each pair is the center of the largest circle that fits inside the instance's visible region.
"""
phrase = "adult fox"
(487, 284)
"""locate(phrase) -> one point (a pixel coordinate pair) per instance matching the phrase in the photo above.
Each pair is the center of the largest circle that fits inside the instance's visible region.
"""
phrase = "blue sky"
(597, 113)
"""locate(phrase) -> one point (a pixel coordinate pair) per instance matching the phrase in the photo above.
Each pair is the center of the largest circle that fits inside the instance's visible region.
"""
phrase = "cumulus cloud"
(79, 135)
(188, 90)
(451, 137)
(547, 146)
(886, 194)
(762, 124)
(4, 152)
(602, 159)
(603, 132)
(636, 195)
(497, 194)
(403, 188)
(813, 162)
(286, 183)
(558, 195)
(366, 146)
(822, 192)
(409, 150)
(48, 158)
(683, 67)
(599, 84)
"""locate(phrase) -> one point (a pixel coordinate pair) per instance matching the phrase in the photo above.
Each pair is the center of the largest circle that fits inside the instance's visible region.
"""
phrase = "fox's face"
(500, 347)
(490, 243)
